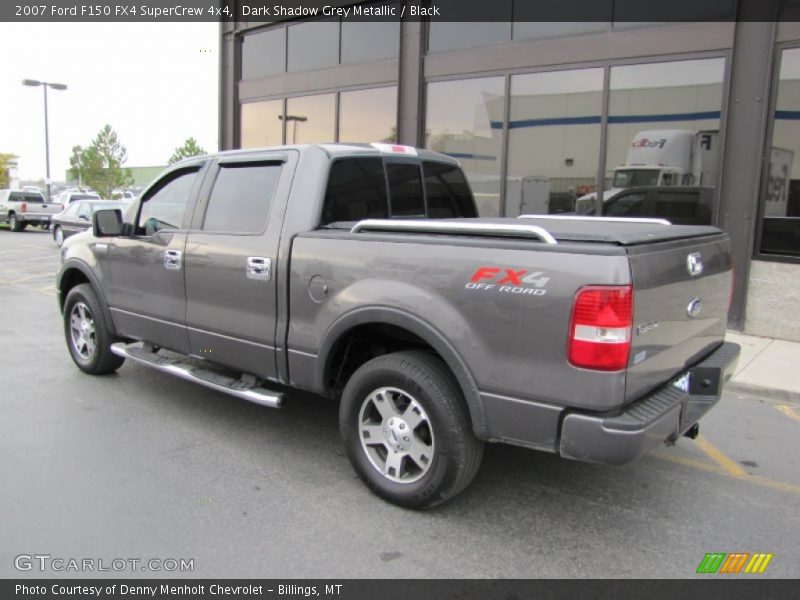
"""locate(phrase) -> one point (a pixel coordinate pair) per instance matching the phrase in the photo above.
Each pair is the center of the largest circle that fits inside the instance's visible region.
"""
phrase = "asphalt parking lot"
(140, 465)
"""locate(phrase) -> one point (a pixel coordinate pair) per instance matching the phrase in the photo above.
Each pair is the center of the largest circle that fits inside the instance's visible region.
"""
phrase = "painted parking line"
(722, 465)
(48, 291)
(789, 411)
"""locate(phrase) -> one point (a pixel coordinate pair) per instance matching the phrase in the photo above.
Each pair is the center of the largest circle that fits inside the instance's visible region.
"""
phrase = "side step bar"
(210, 379)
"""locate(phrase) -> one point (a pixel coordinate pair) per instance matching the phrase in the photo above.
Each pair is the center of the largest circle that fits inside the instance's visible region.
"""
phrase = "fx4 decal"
(508, 281)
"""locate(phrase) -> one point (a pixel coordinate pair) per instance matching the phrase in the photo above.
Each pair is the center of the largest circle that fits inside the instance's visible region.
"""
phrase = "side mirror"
(107, 223)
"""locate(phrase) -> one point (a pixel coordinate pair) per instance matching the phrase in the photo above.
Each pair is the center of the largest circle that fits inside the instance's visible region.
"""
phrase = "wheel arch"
(75, 272)
(417, 330)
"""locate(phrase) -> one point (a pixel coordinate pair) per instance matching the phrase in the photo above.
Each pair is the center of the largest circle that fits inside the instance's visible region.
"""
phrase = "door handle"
(172, 260)
(259, 267)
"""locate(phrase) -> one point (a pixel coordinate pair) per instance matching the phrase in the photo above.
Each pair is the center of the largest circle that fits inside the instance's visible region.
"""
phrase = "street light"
(294, 119)
(45, 85)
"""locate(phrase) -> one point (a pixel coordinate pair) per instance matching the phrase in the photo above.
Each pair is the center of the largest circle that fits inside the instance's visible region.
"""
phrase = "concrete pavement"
(767, 367)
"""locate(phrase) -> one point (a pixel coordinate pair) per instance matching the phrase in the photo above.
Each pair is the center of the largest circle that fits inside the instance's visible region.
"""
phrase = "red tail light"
(600, 327)
(23, 207)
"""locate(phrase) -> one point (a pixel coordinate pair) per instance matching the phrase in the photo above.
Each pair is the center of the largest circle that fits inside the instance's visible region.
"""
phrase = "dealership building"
(544, 115)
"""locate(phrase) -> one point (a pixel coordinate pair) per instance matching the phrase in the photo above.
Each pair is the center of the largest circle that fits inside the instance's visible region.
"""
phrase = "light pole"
(294, 119)
(45, 85)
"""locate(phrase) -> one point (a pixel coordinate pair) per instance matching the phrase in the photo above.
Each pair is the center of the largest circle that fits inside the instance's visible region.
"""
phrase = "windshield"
(76, 197)
(626, 178)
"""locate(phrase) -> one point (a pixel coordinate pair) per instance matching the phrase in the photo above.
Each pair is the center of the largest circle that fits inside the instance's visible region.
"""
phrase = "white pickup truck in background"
(21, 208)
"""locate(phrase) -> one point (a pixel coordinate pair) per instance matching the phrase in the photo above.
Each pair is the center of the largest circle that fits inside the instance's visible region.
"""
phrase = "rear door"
(231, 255)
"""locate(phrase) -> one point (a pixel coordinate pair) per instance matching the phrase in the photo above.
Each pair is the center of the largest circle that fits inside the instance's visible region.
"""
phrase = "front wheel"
(58, 235)
(406, 430)
(88, 335)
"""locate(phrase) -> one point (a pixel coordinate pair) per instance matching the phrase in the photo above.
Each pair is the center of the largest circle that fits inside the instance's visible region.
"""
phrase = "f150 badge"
(508, 281)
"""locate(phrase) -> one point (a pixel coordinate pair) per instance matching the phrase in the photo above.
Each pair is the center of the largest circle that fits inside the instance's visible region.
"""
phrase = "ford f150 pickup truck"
(362, 273)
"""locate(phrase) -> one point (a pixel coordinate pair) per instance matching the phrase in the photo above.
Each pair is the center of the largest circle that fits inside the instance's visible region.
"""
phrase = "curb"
(763, 391)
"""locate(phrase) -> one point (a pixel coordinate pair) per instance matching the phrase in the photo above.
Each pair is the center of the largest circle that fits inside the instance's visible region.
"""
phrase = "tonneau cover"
(594, 231)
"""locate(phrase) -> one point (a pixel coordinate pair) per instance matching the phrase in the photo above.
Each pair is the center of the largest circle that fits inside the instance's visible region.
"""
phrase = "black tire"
(412, 376)
(58, 235)
(15, 224)
(90, 348)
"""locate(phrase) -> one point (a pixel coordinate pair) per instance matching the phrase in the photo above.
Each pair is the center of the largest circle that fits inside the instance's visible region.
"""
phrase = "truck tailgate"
(680, 304)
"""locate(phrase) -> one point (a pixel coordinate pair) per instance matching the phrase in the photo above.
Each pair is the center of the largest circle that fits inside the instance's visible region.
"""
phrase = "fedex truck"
(662, 157)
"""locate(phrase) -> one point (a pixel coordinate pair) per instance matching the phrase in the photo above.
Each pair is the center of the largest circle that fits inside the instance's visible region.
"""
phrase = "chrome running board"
(221, 383)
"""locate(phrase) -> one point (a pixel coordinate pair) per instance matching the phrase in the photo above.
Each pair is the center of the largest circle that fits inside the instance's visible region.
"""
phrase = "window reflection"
(313, 45)
(663, 125)
(464, 120)
(310, 119)
(368, 115)
(261, 124)
(264, 53)
(780, 232)
(554, 140)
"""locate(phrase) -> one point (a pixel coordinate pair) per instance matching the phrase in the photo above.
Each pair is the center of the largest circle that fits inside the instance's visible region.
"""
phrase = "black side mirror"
(107, 223)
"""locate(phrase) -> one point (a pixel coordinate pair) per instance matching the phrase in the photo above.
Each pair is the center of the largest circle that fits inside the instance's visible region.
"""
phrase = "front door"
(231, 254)
(146, 294)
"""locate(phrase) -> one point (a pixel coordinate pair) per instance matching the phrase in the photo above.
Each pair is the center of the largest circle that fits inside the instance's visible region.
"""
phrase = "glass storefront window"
(261, 124)
(313, 45)
(464, 120)
(368, 115)
(264, 53)
(780, 225)
(554, 140)
(663, 125)
(311, 119)
(369, 41)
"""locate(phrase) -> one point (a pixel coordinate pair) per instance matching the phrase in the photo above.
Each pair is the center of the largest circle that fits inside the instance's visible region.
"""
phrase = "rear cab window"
(377, 188)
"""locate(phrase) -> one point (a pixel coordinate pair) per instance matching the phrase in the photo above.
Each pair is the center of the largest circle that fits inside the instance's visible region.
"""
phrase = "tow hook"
(693, 431)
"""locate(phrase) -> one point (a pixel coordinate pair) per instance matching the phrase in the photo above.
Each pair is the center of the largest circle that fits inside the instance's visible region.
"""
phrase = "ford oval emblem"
(694, 264)
(694, 308)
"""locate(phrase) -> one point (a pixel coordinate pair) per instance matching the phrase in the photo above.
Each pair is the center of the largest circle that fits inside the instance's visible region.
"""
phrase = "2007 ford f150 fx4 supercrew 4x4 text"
(362, 273)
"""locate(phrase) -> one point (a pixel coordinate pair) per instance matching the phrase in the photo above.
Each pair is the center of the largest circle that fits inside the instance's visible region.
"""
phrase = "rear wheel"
(14, 223)
(58, 235)
(406, 430)
(88, 335)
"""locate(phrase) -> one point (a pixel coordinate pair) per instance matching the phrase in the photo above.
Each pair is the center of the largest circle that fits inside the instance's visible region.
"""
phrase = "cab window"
(356, 190)
(241, 198)
(165, 205)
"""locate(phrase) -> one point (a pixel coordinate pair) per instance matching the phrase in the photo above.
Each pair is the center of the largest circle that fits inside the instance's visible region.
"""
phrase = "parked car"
(68, 197)
(20, 209)
(122, 195)
(323, 268)
(77, 217)
(680, 205)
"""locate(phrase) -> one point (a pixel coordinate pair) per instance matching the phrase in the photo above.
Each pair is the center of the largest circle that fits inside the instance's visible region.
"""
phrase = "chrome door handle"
(172, 260)
(258, 267)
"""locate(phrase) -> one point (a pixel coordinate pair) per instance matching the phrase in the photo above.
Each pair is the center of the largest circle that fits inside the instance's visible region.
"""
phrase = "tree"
(101, 163)
(5, 165)
(189, 148)
(74, 173)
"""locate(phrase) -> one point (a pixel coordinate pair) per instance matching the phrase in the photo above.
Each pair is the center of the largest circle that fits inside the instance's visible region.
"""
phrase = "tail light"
(23, 207)
(600, 327)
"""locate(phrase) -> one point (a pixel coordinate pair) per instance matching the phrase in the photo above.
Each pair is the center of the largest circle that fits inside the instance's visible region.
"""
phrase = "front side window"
(627, 205)
(241, 198)
(72, 211)
(164, 207)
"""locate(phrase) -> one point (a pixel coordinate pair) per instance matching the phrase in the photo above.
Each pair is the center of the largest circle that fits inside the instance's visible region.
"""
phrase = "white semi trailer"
(662, 157)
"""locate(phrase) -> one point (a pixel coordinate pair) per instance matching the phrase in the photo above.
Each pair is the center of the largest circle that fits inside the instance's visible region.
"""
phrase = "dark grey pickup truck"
(362, 273)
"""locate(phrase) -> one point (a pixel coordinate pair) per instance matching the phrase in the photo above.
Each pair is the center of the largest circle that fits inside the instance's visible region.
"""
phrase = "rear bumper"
(28, 218)
(661, 416)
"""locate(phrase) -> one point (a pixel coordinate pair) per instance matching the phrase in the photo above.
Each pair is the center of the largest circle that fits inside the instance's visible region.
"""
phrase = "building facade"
(545, 117)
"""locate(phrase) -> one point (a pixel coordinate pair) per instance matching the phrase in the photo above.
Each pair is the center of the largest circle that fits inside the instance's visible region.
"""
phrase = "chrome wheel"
(396, 435)
(82, 331)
